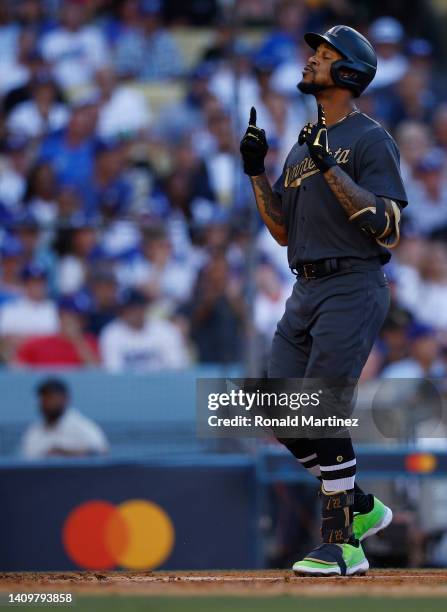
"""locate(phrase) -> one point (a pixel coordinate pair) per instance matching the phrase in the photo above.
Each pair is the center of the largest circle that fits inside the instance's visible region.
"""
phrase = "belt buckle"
(311, 273)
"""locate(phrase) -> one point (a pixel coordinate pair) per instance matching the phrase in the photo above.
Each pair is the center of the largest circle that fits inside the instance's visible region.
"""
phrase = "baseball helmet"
(359, 64)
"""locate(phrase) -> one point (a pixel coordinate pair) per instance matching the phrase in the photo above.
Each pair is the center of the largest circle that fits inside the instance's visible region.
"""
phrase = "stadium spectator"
(42, 113)
(134, 342)
(71, 346)
(75, 49)
(414, 141)
(155, 271)
(271, 251)
(80, 244)
(126, 18)
(31, 314)
(108, 188)
(71, 151)
(281, 45)
(62, 431)
(123, 110)
(103, 289)
(387, 35)
(34, 243)
(424, 358)
(15, 72)
(120, 236)
(185, 187)
(393, 344)
(237, 75)
(218, 314)
(40, 194)
(284, 78)
(13, 170)
(422, 287)
(221, 47)
(211, 235)
(69, 213)
(271, 295)
(179, 119)
(281, 117)
(32, 15)
(21, 91)
(221, 165)
(428, 211)
(11, 261)
(147, 50)
(9, 34)
(415, 99)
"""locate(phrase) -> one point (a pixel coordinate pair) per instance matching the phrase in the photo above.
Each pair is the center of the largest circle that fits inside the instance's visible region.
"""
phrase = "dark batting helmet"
(359, 64)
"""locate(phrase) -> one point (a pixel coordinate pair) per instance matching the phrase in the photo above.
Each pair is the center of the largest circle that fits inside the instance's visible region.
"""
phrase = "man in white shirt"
(31, 314)
(42, 113)
(123, 108)
(424, 359)
(75, 50)
(134, 343)
(62, 430)
(429, 194)
(157, 273)
(387, 35)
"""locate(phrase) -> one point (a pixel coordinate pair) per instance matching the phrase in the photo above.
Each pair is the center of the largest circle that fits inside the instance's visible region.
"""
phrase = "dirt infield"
(398, 583)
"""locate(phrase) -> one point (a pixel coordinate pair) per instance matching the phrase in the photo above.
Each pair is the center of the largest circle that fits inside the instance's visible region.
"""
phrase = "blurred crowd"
(129, 238)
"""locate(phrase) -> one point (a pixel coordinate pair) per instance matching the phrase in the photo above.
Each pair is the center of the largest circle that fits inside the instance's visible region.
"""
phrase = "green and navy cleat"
(370, 523)
(333, 560)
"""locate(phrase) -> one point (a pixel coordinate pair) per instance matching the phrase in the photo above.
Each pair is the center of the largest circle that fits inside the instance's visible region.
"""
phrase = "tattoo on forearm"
(267, 199)
(352, 197)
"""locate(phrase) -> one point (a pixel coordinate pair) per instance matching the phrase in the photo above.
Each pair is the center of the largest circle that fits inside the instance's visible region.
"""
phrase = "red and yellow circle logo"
(136, 534)
(421, 463)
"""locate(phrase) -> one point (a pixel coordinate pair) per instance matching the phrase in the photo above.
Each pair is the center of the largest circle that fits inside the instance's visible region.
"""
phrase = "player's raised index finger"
(252, 120)
(321, 115)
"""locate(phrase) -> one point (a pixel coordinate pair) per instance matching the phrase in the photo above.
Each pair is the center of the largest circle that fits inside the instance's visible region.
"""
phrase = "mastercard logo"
(421, 463)
(136, 534)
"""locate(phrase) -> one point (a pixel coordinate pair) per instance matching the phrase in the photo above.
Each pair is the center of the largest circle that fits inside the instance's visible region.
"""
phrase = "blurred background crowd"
(129, 238)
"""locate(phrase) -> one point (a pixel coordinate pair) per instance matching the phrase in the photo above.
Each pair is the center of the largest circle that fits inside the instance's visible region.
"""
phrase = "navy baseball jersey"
(317, 226)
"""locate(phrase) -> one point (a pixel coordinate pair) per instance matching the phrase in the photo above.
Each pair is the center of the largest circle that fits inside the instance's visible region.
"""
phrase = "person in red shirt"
(70, 347)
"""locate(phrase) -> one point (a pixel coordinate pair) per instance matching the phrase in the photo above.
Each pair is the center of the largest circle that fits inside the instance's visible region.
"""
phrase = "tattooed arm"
(354, 198)
(269, 206)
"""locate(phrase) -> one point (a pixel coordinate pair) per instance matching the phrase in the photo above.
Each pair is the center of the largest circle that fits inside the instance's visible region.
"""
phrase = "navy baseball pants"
(327, 332)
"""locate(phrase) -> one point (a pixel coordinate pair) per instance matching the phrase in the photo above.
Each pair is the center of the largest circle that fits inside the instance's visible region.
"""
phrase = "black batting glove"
(253, 147)
(315, 136)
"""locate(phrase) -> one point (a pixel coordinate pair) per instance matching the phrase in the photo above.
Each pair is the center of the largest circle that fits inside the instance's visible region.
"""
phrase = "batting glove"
(315, 136)
(253, 147)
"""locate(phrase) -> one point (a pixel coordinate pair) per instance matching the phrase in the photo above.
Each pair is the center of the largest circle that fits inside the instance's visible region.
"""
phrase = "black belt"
(325, 267)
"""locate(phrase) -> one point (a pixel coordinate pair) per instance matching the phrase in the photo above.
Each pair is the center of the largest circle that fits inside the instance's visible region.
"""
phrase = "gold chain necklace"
(353, 112)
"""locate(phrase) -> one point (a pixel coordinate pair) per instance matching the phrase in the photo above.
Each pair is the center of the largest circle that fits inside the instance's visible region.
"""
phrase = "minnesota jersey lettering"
(295, 174)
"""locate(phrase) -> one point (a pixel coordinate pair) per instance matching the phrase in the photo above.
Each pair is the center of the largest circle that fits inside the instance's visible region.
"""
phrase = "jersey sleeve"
(378, 170)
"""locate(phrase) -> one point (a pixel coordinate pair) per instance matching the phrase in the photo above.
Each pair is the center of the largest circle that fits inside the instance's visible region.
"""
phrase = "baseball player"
(337, 207)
